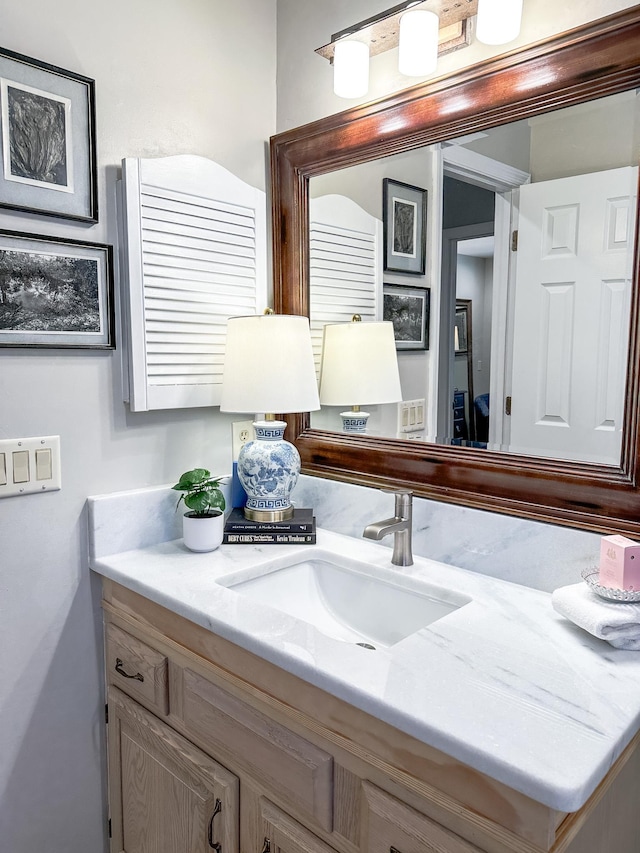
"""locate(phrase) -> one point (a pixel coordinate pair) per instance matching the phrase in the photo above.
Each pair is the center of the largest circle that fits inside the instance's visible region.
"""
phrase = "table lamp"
(269, 368)
(359, 366)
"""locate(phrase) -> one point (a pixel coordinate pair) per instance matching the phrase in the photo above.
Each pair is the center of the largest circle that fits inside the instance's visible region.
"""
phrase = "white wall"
(168, 81)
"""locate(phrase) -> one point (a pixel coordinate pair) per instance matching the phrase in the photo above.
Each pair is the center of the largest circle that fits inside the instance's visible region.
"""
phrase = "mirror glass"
(515, 336)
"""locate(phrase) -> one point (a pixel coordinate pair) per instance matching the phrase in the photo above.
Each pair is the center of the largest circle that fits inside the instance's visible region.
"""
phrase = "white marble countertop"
(504, 684)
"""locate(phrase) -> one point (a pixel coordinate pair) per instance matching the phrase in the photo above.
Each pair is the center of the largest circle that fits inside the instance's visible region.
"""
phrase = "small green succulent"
(202, 493)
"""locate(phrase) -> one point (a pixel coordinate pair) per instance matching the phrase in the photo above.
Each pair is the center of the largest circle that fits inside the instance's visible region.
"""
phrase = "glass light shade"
(359, 365)
(269, 365)
(418, 45)
(498, 21)
(350, 69)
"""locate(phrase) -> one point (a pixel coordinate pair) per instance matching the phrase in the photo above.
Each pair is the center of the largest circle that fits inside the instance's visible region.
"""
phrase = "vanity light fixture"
(498, 21)
(418, 45)
(432, 28)
(269, 368)
(359, 366)
(351, 69)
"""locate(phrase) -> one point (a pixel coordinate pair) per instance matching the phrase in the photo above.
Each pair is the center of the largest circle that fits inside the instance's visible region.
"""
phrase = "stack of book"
(299, 530)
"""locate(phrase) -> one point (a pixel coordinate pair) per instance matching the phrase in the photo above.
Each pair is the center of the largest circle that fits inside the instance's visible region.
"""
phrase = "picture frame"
(47, 139)
(461, 333)
(404, 220)
(55, 293)
(408, 308)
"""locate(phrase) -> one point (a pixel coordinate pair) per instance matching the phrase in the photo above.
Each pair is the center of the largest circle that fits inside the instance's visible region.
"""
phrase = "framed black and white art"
(408, 309)
(55, 293)
(404, 219)
(47, 134)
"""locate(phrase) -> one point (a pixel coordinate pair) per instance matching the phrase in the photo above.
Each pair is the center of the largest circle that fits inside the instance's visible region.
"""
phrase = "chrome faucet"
(399, 525)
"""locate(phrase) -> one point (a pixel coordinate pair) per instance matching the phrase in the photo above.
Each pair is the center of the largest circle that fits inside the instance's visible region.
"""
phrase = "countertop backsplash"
(540, 556)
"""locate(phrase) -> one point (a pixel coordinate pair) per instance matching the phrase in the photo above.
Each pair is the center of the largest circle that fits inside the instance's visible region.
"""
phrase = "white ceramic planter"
(202, 534)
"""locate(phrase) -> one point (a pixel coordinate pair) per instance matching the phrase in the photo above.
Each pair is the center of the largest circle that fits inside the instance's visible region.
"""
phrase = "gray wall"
(168, 81)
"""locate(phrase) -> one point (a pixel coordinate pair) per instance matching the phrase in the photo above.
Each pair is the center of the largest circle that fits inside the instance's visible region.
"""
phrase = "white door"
(571, 320)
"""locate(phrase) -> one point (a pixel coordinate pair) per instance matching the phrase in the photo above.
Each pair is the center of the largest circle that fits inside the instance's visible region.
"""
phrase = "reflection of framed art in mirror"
(404, 220)
(408, 309)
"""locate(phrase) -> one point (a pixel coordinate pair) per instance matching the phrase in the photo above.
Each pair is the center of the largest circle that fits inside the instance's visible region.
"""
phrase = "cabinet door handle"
(120, 669)
(267, 846)
(215, 844)
(393, 850)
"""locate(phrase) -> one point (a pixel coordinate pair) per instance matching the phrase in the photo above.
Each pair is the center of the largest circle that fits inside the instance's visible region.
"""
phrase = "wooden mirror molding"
(602, 58)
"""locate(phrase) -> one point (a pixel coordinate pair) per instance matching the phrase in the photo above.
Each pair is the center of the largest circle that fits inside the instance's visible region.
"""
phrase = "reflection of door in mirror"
(464, 430)
(579, 370)
(572, 297)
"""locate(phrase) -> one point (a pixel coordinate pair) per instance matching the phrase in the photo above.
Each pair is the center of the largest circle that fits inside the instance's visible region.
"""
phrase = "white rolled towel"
(616, 622)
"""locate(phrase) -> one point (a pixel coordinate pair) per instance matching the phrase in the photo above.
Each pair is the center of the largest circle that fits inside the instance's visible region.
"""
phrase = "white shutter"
(193, 255)
(345, 260)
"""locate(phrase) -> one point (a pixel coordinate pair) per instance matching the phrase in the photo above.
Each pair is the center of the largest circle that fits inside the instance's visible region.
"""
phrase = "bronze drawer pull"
(215, 844)
(267, 846)
(119, 669)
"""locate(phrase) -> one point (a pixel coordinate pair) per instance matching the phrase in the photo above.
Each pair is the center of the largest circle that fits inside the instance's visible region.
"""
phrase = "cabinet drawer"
(390, 825)
(137, 669)
(281, 760)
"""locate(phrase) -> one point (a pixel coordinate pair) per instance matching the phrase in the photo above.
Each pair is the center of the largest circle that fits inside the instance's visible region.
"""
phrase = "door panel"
(166, 796)
(572, 296)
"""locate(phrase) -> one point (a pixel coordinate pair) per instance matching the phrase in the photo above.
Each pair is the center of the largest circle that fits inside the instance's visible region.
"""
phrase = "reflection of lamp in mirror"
(269, 368)
(359, 367)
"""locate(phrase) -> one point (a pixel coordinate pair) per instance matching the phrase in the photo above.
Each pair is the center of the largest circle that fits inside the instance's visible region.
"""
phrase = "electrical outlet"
(242, 432)
(29, 465)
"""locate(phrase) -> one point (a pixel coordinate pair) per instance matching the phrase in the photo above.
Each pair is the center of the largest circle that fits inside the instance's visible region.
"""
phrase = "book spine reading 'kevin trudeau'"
(268, 538)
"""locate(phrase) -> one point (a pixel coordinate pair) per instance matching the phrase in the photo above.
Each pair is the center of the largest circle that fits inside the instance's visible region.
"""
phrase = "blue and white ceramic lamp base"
(354, 421)
(268, 469)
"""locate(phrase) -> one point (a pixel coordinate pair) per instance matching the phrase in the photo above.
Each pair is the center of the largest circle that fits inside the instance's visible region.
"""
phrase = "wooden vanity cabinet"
(213, 748)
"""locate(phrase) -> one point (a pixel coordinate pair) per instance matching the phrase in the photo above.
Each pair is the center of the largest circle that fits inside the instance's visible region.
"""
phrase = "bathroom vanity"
(235, 726)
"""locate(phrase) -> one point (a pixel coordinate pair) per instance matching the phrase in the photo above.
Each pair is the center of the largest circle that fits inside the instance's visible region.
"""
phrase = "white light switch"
(43, 464)
(29, 465)
(20, 459)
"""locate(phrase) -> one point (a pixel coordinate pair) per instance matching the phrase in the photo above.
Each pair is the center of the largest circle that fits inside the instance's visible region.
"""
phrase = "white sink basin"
(346, 599)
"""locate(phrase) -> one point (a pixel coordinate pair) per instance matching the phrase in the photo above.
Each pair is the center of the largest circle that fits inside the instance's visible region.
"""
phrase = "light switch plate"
(411, 417)
(30, 485)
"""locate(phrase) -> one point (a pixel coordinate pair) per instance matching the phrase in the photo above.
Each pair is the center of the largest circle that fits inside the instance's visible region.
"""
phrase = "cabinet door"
(393, 827)
(166, 796)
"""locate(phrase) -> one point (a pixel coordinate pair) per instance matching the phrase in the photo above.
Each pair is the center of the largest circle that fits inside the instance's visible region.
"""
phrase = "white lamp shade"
(350, 69)
(359, 365)
(269, 365)
(498, 21)
(418, 45)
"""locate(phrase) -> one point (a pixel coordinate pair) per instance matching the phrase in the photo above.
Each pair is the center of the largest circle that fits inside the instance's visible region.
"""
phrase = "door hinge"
(106, 715)
(507, 405)
(514, 241)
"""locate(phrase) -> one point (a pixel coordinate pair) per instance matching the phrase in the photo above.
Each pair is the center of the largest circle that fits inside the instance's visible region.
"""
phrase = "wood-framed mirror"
(591, 62)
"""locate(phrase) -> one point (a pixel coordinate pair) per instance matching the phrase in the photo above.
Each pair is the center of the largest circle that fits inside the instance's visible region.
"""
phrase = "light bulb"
(418, 45)
(350, 69)
(498, 21)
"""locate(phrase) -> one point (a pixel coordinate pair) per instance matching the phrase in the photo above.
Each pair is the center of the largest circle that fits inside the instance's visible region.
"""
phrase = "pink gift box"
(619, 563)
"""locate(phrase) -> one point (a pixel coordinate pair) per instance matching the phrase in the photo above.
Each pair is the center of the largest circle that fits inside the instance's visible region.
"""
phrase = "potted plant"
(203, 524)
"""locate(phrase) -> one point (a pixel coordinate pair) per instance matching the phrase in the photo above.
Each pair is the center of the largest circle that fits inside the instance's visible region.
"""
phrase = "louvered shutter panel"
(345, 257)
(193, 255)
